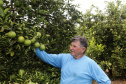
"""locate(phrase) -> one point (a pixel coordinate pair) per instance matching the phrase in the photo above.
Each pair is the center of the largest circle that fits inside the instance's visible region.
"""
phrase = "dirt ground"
(113, 82)
(118, 82)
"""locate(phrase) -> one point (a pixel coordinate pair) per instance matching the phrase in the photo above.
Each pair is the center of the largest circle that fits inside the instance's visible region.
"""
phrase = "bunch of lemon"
(27, 42)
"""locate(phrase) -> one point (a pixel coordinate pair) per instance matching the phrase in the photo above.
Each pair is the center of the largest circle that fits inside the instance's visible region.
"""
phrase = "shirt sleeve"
(53, 59)
(99, 75)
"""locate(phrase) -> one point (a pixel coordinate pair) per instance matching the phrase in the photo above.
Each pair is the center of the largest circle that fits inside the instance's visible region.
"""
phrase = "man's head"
(78, 46)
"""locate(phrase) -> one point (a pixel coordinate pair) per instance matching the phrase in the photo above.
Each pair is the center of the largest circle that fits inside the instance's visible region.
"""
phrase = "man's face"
(77, 50)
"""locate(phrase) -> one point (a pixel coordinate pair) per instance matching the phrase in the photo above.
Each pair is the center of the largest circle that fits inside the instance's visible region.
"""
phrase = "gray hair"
(83, 41)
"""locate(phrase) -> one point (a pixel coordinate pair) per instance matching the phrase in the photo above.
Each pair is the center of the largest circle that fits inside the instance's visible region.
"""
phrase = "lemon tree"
(30, 22)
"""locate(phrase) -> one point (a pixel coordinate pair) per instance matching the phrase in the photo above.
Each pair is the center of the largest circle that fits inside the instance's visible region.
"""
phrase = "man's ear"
(84, 49)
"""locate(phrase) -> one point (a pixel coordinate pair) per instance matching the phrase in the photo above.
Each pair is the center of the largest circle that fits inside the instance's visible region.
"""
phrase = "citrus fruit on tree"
(42, 47)
(27, 42)
(37, 44)
(47, 35)
(11, 34)
(33, 40)
(38, 34)
(21, 39)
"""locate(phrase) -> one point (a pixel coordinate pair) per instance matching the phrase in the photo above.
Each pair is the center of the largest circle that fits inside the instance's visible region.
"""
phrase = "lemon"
(21, 39)
(37, 44)
(42, 47)
(27, 42)
(11, 34)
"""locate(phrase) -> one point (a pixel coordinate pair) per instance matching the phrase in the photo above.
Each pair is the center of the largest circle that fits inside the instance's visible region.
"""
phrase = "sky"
(86, 4)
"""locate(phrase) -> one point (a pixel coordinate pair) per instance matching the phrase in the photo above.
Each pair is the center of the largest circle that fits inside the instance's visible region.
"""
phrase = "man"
(76, 68)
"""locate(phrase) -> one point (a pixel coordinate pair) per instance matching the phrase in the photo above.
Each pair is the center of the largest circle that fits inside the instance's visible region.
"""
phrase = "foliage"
(94, 49)
(34, 77)
(26, 18)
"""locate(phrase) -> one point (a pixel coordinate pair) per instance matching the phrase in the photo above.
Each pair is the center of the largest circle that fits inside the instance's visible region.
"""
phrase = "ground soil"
(114, 82)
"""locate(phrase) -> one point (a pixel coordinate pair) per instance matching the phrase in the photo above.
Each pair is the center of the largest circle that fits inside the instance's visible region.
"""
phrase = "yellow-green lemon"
(27, 42)
(37, 44)
(42, 47)
(11, 34)
(21, 39)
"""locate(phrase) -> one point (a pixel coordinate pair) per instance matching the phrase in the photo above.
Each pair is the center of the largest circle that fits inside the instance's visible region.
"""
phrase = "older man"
(76, 68)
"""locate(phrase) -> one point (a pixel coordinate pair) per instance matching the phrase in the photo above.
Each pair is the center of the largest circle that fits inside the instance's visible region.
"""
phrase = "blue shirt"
(75, 71)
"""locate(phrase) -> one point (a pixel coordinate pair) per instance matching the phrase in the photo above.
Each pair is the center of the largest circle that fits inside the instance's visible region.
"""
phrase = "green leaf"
(12, 53)
(1, 12)
(2, 29)
(6, 10)
(42, 18)
(1, 20)
(1, 3)
(6, 18)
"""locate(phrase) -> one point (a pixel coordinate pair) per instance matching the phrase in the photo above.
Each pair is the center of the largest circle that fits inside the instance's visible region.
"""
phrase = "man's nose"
(71, 47)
